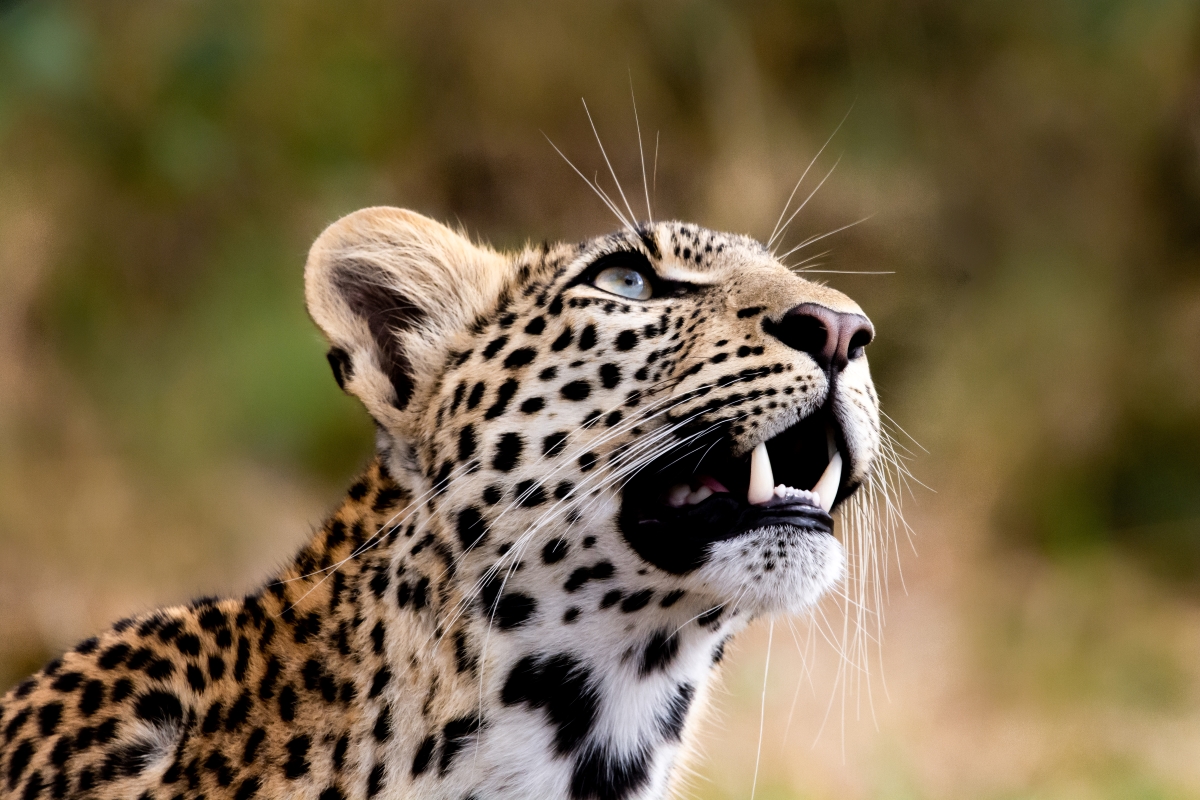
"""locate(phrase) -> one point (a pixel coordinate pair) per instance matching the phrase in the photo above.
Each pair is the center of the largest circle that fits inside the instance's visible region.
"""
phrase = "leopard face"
(665, 398)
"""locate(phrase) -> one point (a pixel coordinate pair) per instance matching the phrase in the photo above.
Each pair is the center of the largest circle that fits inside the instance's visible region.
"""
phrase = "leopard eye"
(624, 282)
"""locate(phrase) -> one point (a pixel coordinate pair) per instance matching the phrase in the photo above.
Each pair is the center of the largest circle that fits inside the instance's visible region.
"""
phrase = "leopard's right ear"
(393, 291)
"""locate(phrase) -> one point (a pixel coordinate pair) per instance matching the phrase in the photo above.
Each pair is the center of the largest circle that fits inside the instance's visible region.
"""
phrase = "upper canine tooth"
(762, 482)
(827, 485)
(699, 496)
(677, 495)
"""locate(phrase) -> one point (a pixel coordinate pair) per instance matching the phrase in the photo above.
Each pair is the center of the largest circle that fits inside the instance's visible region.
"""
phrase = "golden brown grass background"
(168, 426)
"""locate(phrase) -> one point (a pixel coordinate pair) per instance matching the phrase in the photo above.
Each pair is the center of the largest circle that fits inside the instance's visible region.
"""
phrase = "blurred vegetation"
(1032, 172)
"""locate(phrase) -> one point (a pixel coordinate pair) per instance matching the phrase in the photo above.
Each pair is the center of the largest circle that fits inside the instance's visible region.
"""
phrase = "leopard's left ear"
(392, 291)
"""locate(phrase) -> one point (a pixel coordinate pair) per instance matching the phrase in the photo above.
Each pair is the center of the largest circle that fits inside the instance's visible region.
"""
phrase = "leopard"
(594, 464)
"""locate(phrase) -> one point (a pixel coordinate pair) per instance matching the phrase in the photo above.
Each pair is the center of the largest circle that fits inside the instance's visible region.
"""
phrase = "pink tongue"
(713, 483)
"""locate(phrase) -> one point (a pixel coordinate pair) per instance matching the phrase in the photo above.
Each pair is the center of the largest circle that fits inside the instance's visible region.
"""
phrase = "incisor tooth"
(827, 485)
(762, 482)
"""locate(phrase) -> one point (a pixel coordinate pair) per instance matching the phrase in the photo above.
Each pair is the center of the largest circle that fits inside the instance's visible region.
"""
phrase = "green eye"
(623, 281)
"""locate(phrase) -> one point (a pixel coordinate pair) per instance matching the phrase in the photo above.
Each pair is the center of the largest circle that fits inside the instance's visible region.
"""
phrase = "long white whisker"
(641, 152)
(775, 231)
(611, 171)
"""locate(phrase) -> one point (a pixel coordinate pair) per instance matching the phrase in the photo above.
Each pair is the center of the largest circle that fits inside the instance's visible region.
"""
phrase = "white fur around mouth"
(762, 488)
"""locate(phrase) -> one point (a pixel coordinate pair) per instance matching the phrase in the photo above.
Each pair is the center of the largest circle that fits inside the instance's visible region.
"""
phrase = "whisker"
(611, 171)
(775, 231)
(641, 152)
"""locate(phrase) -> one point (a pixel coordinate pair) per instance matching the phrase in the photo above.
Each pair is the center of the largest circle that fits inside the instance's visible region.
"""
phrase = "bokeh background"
(1031, 169)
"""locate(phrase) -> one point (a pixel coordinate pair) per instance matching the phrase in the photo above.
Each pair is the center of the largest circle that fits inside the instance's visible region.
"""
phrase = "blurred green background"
(1031, 170)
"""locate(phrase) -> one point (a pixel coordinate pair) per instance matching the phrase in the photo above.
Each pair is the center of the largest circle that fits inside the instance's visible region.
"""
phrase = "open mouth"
(684, 501)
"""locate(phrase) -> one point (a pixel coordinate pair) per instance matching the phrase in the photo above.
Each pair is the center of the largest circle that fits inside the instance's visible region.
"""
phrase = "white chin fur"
(775, 570)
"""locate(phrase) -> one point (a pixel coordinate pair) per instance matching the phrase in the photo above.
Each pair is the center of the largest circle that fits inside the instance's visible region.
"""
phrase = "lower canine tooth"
(827, 485)
(762, 482)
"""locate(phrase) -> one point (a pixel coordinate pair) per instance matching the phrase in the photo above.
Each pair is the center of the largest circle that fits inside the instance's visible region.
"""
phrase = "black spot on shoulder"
(603, 774)
(671, 598)
(637, 601)
(671, 723)
(454, 735)
(159, 708)
(423, 756)
(297, 764)
(659, 652)
(49, 716)
(627, 340)
(587, 339)
(535, 326)
(561, 687)
(375, 780)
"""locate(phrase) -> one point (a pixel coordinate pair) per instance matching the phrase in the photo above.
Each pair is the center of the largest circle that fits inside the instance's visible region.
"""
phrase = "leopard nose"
(832, 338)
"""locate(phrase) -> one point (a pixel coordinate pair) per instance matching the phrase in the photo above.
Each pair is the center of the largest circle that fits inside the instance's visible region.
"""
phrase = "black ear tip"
(342, 366)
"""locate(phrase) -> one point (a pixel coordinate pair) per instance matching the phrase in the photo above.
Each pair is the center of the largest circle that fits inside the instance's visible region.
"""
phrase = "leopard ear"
(392, 291)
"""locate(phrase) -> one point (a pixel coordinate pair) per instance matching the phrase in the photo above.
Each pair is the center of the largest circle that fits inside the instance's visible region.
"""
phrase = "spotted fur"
(472, 621)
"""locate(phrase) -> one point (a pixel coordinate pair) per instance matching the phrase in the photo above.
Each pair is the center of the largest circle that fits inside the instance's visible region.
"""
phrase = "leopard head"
(666, 402)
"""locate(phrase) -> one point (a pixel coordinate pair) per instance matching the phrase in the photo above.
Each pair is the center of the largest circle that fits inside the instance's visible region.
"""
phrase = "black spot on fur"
(610, 375)
(627, 340)
(561, 687)
(637, 601)
(671, 598)
(576, 390)
(503, 395)
(533, 405)
(671, 723)
(554, 444)
(555, 550)
(297, 763)
(494, 346)
(563, 341)
(587, 339)
(466, 442)
(601, 774)
(424, 754)
(253, 741)
(476, 395)
(660, 651)
(92, 698)
(471, 527)
(375, 780)
(530, 494)
(159, 708)
(455, 734)
(520, 357)
(508, 452)
(49, 716)
(514, 609)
